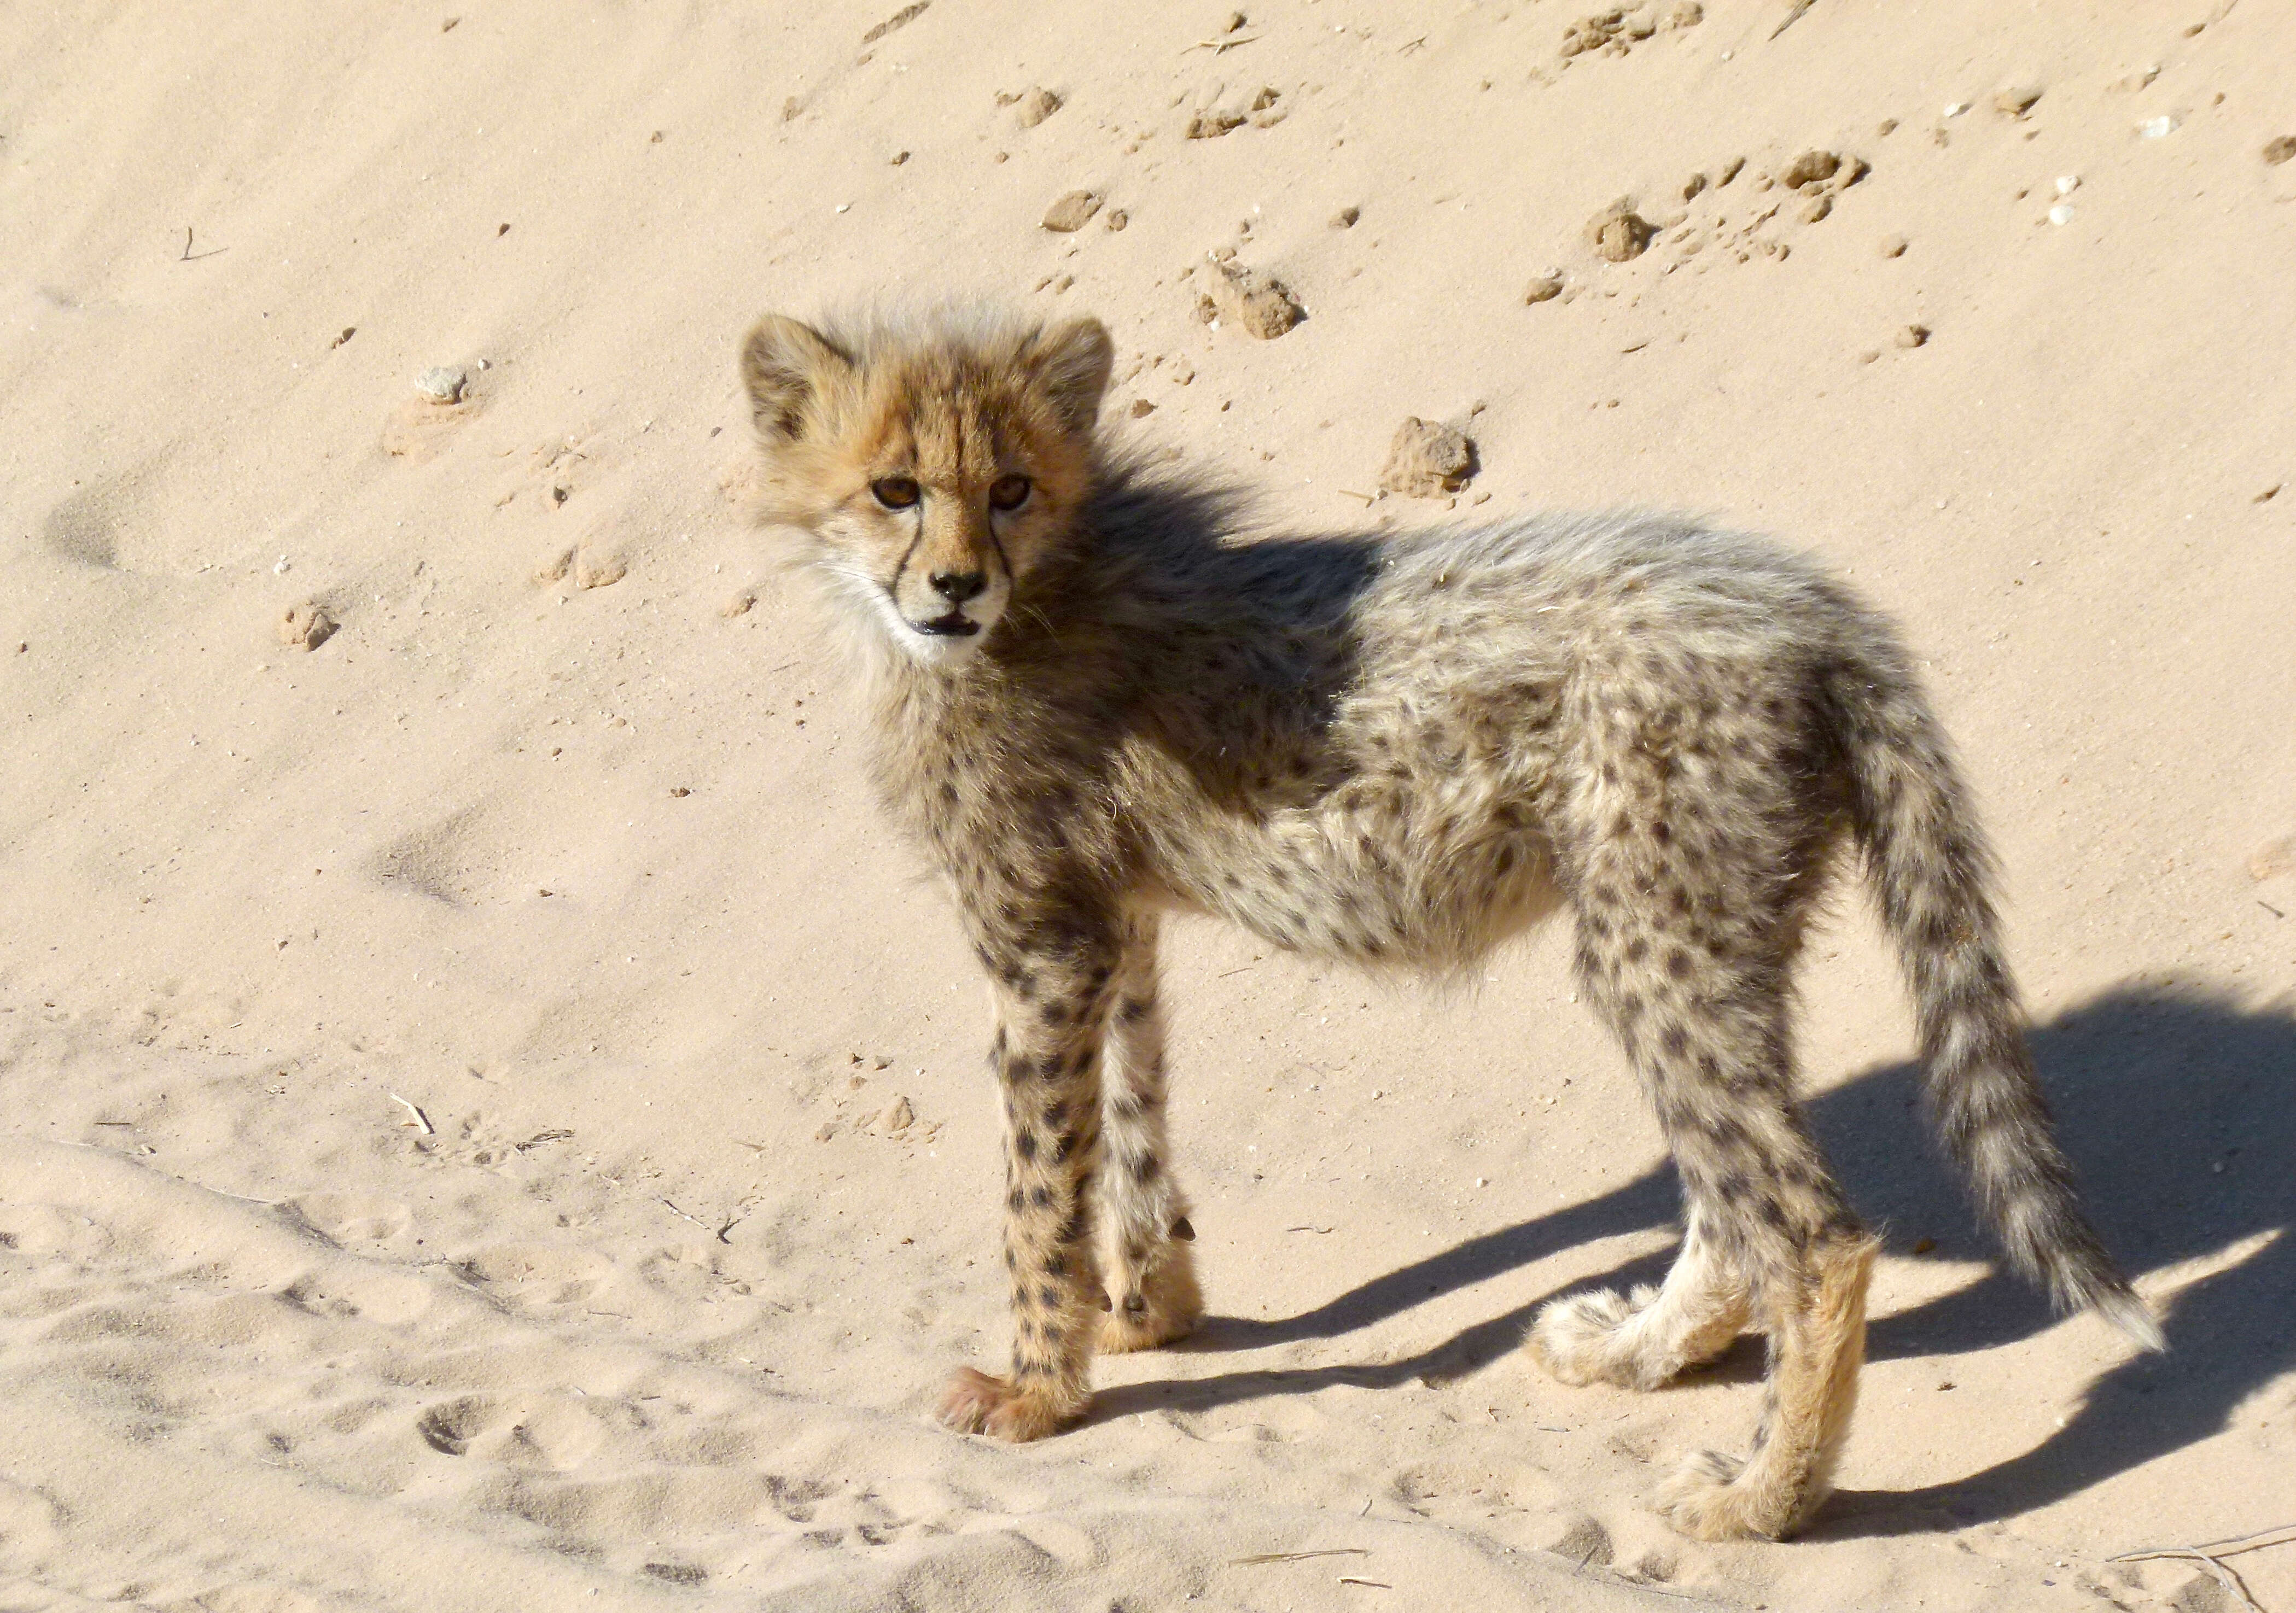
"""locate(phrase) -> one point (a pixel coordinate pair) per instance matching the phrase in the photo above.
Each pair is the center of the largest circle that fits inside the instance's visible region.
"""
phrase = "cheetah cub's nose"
(958, 586)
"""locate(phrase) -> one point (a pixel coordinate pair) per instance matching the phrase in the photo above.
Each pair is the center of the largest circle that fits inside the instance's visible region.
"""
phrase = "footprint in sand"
(38, 1234)
(27, 1527)
(351, 1217)
(534, 1275)
(555, 1432)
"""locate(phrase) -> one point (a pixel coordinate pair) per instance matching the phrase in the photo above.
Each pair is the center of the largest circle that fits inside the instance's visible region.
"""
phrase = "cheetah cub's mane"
(1092, 707)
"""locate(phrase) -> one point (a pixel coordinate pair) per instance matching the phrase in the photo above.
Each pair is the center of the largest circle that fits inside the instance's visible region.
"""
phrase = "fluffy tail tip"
(2127, 1310)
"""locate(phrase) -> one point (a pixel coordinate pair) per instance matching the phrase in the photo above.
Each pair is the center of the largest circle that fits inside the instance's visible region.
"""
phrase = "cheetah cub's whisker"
(1093, 707)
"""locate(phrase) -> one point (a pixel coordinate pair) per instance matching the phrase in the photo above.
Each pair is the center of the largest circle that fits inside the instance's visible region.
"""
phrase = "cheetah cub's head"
(934, 470)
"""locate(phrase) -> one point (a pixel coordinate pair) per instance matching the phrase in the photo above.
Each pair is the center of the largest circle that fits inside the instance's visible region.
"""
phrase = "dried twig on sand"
(2207, 1553)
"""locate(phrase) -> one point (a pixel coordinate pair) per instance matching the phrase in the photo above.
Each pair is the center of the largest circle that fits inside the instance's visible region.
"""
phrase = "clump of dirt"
(305, 626)
(1427, 460)
(1619, 233)
(1071, 212)
(1619, 29)
(1251, 299)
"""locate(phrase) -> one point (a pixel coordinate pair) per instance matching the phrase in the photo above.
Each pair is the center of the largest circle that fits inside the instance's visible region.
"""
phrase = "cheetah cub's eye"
(1009, 492)
(895, 492)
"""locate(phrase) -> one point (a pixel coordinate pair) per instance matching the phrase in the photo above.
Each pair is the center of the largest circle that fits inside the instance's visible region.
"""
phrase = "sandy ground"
(490, 1120)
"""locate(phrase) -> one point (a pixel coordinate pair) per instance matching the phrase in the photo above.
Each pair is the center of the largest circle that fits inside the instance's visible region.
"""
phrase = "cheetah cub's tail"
(1932, 873)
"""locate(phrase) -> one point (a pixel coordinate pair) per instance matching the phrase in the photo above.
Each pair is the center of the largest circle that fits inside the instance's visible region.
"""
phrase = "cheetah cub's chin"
(1093, 705)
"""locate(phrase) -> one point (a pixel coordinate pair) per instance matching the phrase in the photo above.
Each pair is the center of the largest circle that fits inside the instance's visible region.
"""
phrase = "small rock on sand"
(595, 569)
(1427, 460)
(1543, 288)
(897, 1116)
(1913, 336)
(1071, 212)
(1212, 123)
(443, 384)
(2017, 100)
(739, 605)
(1893, 246)
(1252, 299)
(1618, 232)
(1038, 104)
(1142, 408)
(1811, 167)
(2279, 151)
(305, 626)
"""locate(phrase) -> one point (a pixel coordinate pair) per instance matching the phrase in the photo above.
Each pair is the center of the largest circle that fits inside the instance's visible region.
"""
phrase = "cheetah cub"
(1093, 709)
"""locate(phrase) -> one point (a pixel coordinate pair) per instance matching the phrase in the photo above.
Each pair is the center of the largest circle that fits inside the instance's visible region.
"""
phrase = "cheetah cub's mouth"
(936, 471)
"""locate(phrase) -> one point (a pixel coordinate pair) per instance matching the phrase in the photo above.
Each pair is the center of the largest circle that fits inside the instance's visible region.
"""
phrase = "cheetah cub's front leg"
(1050, 1013)
(1151, 1271)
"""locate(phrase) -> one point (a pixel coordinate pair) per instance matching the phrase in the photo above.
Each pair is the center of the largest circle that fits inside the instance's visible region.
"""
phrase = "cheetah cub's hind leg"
(1688, 929)
(1152, 1272)
(1645, 1341)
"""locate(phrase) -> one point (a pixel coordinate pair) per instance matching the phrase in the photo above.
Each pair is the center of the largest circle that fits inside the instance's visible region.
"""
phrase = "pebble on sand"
(1250, 298)
(2280, 149)
(443, 383)
(305, 626)
(1811, 167)
(1913, 336)
(2017, 100)
(1427, 460)
(1038, 104)
(1543, 288)
(1893, 246)
(1071, 212)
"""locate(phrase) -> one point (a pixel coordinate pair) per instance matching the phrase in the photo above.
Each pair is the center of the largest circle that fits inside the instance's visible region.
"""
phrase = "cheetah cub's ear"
(787, 367)
(1070, 363)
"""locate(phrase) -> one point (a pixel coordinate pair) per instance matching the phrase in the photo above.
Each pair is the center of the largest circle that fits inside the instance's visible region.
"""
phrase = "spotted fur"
(1400, 752)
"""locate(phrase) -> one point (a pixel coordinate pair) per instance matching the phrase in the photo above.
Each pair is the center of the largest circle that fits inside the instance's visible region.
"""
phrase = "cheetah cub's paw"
(1708, 1499)
(977, 1404)
(1166, 1309)
(1584, 1338)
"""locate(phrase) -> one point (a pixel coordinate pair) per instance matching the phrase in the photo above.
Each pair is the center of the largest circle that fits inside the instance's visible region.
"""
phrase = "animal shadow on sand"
(2178, 1107)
